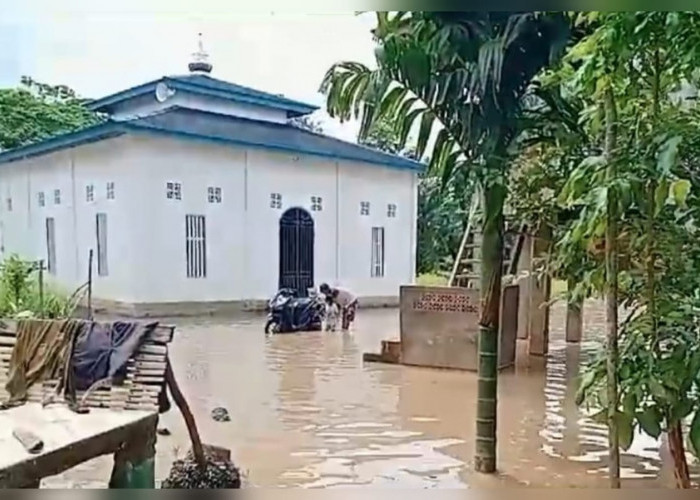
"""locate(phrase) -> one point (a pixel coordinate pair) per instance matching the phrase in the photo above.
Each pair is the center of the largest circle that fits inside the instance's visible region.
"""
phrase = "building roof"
(223, 129)
(205, 85)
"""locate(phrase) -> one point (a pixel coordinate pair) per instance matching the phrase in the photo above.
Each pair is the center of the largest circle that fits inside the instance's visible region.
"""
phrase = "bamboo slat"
(145, 374)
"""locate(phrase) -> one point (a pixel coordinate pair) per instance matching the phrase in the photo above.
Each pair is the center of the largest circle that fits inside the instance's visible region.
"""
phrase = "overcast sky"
(99, 47)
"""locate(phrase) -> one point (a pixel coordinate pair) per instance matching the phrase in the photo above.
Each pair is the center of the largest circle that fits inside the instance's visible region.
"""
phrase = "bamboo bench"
(122, 420)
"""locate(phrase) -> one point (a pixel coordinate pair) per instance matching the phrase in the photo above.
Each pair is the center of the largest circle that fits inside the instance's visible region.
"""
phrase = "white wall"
(24, 229)
(380, 187)
(243, 231)
(148, 104)
(160, 222)
(146, 231)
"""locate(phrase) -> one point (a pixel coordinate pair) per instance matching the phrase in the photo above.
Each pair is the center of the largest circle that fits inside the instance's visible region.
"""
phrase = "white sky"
(98, 47)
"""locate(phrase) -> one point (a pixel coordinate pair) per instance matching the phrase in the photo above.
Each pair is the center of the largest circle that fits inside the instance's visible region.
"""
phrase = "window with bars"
(214, 194)
(391, 210)
(41, 198)
(196, 246)
(56, 196)
(316, 203)
(364, 208)
(173, 190)
(89, 193)
(275, 200)
(377, 270)
(51, 245)
(101, 236)
(110, 190)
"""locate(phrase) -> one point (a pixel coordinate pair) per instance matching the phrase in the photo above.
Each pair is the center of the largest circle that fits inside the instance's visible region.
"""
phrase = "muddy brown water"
(306, 412)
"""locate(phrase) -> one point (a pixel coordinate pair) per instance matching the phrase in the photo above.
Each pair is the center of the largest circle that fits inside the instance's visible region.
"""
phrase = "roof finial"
(200, 62)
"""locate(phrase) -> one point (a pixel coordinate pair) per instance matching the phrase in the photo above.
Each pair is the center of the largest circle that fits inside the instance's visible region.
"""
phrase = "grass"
(435, 279)
(432, 279)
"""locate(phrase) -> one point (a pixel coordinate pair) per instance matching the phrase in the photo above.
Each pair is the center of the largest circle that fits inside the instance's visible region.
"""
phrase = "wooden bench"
(122, 419)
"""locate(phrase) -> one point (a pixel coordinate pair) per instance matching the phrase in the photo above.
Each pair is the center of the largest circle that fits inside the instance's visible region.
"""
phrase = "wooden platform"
(122, 419)
(69, 439)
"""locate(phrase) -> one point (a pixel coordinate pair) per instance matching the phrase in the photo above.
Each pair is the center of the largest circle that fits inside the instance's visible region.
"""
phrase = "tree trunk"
(574, 316)
(611, 276)
(491, 270)
(677, 450)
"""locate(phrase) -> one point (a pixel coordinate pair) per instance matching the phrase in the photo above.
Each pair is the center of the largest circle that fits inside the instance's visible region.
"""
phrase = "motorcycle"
(288, 313)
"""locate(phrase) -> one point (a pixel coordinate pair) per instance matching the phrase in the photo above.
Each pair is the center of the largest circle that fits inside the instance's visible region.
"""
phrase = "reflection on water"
(306, 412)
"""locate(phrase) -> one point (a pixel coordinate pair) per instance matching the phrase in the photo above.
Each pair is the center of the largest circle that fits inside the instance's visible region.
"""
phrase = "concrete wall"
(440, 327)
(146, 230)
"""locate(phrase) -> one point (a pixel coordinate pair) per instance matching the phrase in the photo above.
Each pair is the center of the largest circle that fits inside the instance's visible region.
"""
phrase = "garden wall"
(440, 326)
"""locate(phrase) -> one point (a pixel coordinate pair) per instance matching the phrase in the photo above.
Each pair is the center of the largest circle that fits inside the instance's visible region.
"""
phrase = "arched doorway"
(297, 251)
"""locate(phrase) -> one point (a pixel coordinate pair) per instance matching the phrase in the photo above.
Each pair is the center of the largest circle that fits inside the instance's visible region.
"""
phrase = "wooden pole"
(181, 402)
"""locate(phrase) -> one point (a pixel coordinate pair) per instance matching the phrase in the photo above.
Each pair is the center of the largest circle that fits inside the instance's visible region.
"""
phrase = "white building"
(196, 194)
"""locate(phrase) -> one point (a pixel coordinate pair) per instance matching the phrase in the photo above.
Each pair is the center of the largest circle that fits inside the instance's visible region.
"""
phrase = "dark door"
(297, 251)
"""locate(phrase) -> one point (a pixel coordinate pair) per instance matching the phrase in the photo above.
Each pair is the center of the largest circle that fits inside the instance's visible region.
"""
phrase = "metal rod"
(89, 285)
(41, 288)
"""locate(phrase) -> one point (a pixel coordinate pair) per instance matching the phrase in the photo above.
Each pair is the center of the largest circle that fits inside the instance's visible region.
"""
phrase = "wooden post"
(134, 463)
(538, 331)
(574, 317)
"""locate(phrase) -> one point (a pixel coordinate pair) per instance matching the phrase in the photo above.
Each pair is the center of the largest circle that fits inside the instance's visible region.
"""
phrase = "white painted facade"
(145, 230)
(146, 261)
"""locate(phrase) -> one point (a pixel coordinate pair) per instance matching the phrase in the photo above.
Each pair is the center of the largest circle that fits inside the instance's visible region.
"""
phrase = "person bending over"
(345, 299)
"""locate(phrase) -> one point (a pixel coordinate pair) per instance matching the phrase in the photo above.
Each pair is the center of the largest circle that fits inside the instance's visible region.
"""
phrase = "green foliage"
(441, 219)
(20, 295)
(432, 279)
(459, 77)
(35, 111)
(643, 58)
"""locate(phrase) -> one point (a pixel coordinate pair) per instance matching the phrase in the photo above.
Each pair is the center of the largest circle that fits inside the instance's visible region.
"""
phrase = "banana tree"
(458, 79)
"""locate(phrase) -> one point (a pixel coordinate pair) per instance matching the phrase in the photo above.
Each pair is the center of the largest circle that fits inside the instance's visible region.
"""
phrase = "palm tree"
(460, 77)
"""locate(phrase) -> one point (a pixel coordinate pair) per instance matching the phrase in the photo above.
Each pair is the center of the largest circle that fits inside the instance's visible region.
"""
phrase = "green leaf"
(391, 101)
(694, 434)
(668, 154)
(682, 409)
(660, 196)
(587, 380)
(650, 421)
(679, 191)
(600, 417)
(629, 403)
(625, 429)
(658, 391)
(407, 124)
(426, 126)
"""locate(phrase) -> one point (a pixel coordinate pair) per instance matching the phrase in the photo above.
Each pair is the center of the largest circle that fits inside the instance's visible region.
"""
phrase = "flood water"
(306, 412)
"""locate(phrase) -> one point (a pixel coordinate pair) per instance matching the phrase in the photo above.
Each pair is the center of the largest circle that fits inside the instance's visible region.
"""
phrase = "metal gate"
(297, 251)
